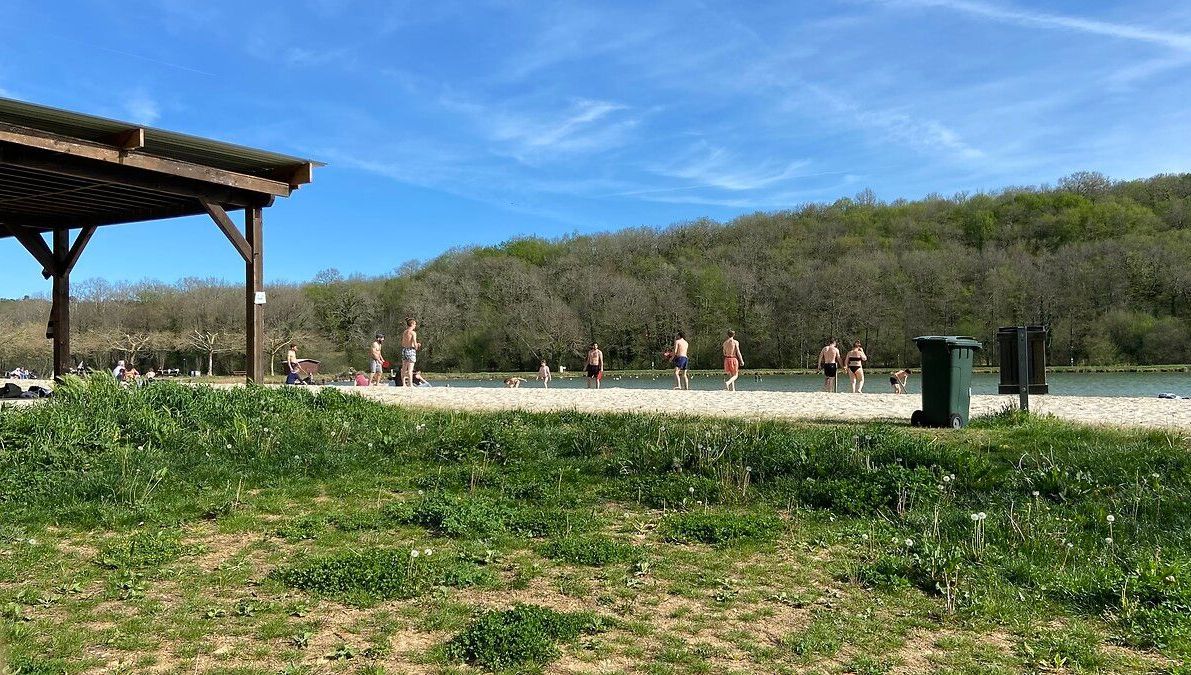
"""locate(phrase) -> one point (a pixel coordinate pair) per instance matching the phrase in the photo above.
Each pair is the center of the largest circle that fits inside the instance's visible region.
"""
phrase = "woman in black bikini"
(855, 360)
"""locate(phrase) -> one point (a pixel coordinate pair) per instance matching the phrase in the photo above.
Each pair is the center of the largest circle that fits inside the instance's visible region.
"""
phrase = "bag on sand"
(40, 391)
(11, 390)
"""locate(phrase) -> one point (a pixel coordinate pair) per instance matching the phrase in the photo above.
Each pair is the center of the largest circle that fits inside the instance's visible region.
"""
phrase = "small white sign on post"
(260, 298)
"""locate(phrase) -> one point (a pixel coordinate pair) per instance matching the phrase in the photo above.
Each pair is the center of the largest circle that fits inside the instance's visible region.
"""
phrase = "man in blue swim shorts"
(682, 377)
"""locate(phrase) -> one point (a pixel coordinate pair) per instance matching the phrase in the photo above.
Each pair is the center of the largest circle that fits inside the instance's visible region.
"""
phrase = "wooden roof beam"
(64, 145)
(133, 139)
(113, 174)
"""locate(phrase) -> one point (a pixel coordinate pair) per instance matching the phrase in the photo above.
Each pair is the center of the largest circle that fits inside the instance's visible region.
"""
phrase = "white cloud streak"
(1171, 40)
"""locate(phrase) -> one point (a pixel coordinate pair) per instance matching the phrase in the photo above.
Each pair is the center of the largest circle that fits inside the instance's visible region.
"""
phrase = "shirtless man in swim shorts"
(409, 352)
(595, 365)
(829, 362)
(682, 377)
(376, 367)
(733, 361)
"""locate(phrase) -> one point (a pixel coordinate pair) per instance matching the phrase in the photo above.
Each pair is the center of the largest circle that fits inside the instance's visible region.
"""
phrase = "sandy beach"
(1105, 410)
(1115, 411)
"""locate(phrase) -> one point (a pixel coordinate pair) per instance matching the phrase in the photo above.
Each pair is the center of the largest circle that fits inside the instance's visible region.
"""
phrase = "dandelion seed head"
(414, 553)
(864, 537)
(748, 469)
(1108, 540)
(33, 542)
(691, 489)
(1170, 579)
(946, 479)
(1035, 493)
(982, 515)
(1111, 519)
(427, 551)
(909, 543)
(140, 447)
(1070, 545)
(229, 446)
(975, 517)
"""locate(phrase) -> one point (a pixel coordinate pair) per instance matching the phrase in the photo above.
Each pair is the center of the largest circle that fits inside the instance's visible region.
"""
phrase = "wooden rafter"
(35, 138)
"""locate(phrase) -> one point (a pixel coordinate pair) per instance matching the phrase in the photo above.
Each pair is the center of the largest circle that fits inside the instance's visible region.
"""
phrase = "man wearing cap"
(378, 360)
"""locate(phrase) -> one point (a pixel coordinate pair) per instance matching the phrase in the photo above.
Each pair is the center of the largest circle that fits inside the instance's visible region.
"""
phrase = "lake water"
(1070, 384)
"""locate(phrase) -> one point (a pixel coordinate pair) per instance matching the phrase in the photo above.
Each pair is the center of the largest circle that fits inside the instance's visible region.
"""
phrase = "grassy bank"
(256, 530)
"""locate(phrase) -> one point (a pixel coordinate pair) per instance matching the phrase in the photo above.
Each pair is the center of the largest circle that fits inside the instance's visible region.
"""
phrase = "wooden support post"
(60, 311)
(254, 282)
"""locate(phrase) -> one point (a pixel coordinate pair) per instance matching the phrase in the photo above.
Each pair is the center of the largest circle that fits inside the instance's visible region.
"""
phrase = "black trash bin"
(1007, 343)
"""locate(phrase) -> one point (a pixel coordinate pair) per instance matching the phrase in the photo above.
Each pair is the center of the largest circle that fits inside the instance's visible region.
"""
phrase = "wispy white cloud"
(530, 131)
(717, 167)
(1169, 39)
(304, 57)
(141, 108)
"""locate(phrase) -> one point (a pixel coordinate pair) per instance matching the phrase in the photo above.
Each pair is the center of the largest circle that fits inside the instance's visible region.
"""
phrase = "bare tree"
(209, 343)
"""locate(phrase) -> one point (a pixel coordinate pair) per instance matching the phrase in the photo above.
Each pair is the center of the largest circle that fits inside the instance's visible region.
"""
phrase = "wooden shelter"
(63, 171)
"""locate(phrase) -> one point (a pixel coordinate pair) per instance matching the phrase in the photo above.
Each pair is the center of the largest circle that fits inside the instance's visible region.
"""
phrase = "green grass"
(259, 530)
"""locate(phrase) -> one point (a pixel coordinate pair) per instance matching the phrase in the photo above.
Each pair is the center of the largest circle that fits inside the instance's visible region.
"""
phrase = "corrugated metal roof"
(158, 142)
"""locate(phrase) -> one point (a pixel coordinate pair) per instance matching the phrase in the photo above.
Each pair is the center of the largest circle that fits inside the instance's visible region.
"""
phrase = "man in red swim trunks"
(732, 360)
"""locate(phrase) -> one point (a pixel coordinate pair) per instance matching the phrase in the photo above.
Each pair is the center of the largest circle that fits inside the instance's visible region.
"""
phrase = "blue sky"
(447, 124)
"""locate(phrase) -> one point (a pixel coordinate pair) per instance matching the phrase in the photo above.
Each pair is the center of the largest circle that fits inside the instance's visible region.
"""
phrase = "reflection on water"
(1070, 384)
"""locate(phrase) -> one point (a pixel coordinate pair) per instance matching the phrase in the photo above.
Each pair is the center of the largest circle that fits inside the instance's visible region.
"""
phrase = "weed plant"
(523, 635)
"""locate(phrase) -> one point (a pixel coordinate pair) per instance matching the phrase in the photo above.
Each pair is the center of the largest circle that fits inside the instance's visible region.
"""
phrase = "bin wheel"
(916, 419)
(957, 422)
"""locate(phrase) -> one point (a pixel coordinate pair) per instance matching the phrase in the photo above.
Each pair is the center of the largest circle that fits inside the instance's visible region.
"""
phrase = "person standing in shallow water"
(682, 377)
(829, 363)
(733, 361)
(855, 360)
(544, 375)
(595, 366)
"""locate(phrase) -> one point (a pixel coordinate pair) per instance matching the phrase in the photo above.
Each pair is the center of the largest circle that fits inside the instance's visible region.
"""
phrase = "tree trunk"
(210, 363)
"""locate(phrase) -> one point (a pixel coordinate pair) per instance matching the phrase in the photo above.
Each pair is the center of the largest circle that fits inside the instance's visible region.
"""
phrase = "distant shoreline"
(768, 372)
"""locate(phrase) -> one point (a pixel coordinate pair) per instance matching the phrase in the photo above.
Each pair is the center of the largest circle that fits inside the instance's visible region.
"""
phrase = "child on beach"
(898, 380)
(544, 375)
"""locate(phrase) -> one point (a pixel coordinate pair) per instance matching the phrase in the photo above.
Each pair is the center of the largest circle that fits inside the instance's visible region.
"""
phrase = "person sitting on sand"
(898, 380)
(856, 359)
(544, 374)
(119, 372)
(514, 382)
(682, 376)
(733, 360)
(420, 381)
(829, 363)
(595, 366)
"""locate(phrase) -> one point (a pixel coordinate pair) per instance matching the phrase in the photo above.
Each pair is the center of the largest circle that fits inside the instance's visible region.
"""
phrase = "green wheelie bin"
(946, 380)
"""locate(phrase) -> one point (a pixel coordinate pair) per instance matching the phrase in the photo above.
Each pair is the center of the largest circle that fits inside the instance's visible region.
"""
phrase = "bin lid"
(950, 341)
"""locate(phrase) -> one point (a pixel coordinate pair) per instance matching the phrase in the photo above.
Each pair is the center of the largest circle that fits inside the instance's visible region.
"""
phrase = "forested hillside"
(1104, 264)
